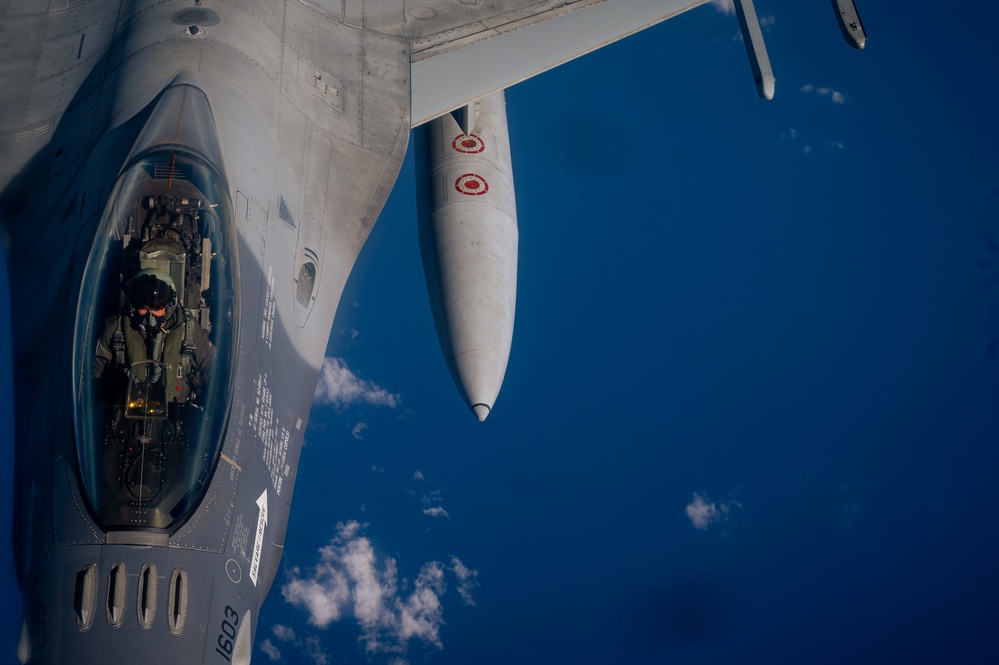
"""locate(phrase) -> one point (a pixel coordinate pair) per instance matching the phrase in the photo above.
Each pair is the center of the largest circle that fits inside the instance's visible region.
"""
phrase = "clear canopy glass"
(153, 395)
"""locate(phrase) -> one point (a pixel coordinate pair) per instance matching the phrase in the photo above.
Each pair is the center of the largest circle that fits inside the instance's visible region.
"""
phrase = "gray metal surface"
(312, 117)
(311, 105)
(849, 23)
(469, 240)
(467, 51)
(756, 49)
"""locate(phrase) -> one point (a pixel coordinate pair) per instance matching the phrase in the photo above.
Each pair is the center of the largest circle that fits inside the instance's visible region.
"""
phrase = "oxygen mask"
(150, 321)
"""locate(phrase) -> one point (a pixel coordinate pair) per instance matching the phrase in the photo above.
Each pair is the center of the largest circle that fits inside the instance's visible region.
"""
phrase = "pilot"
(153, 327)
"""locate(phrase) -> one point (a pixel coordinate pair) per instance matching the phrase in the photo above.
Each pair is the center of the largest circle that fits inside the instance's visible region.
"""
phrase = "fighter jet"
(184, 189)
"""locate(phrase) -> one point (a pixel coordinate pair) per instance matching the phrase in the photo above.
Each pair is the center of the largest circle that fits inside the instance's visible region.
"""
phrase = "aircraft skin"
(849, 23)
(291, 120)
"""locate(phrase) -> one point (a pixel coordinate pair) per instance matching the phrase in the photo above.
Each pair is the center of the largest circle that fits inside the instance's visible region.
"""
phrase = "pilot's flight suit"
(137, 342)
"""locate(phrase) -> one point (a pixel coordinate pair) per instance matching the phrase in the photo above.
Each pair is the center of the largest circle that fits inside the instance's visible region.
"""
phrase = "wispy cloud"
(341, 387)
(283, 633)
(310, 647)
(703, 513)
(350, 580)
(272, 651)
(418, 475)
(835, 96)
(358, 428)
(433, 505)
(468, 580)
(436, 511)
(726, 7)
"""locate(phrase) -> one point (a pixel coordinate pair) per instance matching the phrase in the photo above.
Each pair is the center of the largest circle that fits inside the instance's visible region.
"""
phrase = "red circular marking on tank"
(471, 184)
(469, 144)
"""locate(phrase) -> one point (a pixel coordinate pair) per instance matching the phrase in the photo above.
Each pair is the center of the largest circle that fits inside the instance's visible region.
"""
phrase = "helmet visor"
(149, 291)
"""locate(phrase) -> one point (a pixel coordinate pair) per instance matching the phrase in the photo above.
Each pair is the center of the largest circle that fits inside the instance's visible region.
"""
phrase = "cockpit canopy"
(153, 392)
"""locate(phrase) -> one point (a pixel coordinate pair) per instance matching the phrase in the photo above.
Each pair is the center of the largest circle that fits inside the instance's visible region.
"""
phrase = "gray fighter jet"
(184, 188)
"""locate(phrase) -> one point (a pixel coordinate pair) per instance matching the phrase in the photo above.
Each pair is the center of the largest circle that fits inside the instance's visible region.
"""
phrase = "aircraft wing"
(461, 51)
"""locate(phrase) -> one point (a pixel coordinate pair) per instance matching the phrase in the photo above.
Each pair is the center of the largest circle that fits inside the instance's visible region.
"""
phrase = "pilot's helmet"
(151, 288)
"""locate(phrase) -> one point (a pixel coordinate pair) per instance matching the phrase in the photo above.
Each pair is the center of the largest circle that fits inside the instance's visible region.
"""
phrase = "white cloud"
(325, 596)
(310, 646)
(350, 580)
(283, 633)
(768, 21)
(272, 651)
(807, 149)
(789, 135)
(434, 505)
(726, 7)
(703, 514)
(834, 95)
(418, 475)
(358, 428)
(468, 580)
(436, 511)
(341, 387)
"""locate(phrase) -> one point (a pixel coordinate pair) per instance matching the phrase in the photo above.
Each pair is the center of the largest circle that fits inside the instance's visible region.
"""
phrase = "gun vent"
(177, 609)
(116, 594)
(147, 596)
(85, 597)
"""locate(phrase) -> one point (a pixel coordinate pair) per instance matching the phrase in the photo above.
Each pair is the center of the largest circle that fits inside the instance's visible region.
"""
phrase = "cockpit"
(157, 325)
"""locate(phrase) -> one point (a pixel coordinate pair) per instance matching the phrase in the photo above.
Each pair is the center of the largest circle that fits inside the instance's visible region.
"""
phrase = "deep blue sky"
(782, 307)
(778, 306)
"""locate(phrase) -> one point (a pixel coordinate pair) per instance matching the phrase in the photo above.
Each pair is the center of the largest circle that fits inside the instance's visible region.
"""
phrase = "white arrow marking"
(258, 541)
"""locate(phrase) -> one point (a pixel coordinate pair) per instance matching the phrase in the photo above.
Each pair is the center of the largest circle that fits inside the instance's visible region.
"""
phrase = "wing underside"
(465, 50)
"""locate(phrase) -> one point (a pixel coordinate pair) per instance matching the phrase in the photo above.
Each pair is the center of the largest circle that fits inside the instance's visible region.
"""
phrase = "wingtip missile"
(755, 48)
(849, 23)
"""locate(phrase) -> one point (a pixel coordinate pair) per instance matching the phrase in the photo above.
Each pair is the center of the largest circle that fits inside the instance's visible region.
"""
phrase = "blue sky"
(750, 413)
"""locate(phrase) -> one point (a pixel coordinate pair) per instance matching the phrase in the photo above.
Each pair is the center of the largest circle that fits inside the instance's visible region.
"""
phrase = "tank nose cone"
(480, 376)
(481, 411)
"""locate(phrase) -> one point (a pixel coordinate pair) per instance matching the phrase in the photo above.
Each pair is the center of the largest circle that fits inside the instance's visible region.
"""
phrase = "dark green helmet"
(151, 288)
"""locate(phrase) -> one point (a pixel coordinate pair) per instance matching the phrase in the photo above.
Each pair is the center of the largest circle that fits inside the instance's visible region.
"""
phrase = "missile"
(755, 48)
(468, 241)
(849, 23)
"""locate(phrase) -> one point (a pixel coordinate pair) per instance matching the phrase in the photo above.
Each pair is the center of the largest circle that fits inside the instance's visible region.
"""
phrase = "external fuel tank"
(468, 239)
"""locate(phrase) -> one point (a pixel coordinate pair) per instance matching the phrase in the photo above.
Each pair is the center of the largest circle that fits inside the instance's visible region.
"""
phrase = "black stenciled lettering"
(38, 639)
(228, 634)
